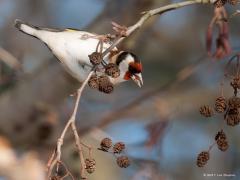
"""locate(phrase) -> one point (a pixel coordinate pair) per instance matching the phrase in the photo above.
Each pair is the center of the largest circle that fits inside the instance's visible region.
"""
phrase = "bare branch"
(149, 14)
(71, 122)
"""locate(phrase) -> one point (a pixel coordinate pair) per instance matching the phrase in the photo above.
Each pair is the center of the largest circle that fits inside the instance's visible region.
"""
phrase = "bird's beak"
(137, 78)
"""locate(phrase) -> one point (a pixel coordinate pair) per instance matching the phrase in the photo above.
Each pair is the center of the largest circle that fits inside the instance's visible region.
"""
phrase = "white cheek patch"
(124, 65)
(129, 59)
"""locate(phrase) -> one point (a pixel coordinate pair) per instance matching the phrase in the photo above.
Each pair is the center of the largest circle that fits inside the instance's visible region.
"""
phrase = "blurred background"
(159, 123)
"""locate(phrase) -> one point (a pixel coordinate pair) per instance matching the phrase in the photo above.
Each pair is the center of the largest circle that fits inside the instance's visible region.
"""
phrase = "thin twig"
(68, 173)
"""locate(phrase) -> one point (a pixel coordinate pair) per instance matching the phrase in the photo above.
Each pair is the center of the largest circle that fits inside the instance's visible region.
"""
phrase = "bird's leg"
(99, 48)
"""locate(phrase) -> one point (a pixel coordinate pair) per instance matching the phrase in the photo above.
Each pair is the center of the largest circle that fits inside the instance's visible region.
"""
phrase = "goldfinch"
(73, 47)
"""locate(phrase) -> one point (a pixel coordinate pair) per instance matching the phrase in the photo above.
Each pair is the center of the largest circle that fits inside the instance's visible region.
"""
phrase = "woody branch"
(56, 157)
(148, 14)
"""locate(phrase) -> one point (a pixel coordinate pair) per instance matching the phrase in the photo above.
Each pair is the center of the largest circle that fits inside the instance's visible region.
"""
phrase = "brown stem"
(71, 122)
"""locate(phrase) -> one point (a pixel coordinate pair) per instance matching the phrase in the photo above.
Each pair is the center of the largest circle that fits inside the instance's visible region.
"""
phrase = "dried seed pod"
(105, 85)
(106, 144)
(234, 102)
(90, 165)
(123, 161)
(220, 136)
(202, 158)
(93, 82)
(118, 147)
(222, 144)
(220, 3)
(206, 111)
(233, 2)
(112, 70)
(220, 104)
(106, 88)
(95, 58)
(232, 117)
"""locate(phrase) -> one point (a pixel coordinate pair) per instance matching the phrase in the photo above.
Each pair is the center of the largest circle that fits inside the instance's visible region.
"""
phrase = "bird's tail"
(27, 28)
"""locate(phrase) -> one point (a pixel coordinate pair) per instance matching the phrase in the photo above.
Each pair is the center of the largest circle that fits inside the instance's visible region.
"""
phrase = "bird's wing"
(80, 47)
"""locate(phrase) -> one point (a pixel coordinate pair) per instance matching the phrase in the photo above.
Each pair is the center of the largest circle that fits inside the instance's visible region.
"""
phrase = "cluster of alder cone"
(220, 3)
(107, 145)
(116, 149)
(229, 108)
(102, 82)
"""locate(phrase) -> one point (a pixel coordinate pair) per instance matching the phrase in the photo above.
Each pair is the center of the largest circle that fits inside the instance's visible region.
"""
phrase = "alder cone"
(112, 70)
(96, 58)
(220, 3)
(232, 120)
(222, 144)
(93, 82)
(106, 144)
(118, 147)
(203, 158)
(220, 104)
(235, 83)
(90, 165)
(220, 135)
(206, 111)
(105, 85)
(233, 2)
(232, 117)
(106, 88)
(234, 102)
(123, 161)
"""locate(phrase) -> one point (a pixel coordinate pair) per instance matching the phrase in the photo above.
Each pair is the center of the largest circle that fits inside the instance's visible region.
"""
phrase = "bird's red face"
(134, 72)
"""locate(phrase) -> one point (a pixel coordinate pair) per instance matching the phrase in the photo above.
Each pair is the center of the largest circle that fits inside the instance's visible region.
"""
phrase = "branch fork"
(55, 158)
